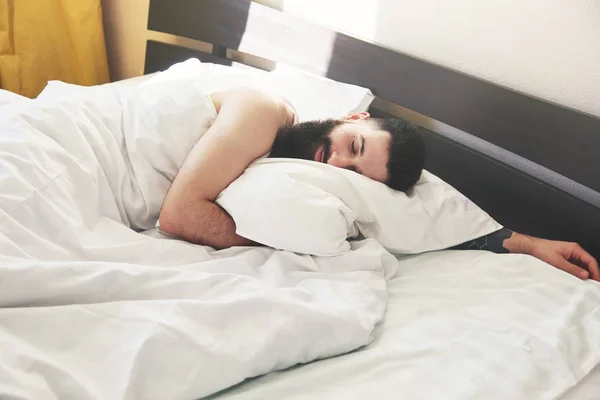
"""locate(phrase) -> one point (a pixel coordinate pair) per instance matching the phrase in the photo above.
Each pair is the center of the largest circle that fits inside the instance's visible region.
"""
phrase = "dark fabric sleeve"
(492, 242)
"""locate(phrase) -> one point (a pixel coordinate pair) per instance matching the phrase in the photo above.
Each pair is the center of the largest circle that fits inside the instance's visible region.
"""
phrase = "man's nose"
(339, 160)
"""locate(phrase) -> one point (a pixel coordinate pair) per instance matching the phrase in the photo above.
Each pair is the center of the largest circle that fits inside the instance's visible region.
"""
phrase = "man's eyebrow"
(362, 147)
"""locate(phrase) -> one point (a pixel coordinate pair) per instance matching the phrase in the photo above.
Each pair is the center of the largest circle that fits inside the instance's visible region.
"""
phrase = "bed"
(505, 150)
(93, 309)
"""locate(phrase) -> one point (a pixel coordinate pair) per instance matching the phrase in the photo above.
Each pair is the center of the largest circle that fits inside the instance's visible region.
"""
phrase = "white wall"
(546, 48)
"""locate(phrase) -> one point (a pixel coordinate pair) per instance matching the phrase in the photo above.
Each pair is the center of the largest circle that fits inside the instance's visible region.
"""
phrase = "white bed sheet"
(587, 389)
(463, 325)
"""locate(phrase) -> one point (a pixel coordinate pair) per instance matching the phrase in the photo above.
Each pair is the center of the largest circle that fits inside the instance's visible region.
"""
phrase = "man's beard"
(304, 139)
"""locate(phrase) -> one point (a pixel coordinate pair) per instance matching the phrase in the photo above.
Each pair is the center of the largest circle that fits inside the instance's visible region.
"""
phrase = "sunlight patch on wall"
(291, 37)
(354, 17)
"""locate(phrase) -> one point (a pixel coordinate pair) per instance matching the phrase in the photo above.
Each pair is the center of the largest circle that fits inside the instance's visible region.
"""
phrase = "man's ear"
(358, 116)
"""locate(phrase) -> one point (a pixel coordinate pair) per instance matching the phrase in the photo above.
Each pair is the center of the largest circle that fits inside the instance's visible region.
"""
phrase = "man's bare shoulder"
(245, 97)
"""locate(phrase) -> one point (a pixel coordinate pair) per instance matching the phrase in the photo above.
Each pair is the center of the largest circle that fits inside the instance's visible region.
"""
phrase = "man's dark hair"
(406, 147)
(407, 153)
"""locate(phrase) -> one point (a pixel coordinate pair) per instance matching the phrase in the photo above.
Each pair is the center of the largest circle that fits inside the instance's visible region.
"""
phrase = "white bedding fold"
(120, 331)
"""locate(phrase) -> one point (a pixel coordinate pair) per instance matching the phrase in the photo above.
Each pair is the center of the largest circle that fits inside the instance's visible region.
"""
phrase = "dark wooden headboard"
(533, 165)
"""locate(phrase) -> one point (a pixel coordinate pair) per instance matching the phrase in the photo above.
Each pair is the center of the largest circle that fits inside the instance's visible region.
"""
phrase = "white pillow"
(313, 208)
(313, 97)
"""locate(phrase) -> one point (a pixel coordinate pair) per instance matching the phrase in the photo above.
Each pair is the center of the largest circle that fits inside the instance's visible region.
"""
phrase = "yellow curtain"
(42, 40)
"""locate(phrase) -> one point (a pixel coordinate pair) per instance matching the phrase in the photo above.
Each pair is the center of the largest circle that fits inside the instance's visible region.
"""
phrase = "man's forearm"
(246, 124)
(206, 224)
(567, 256)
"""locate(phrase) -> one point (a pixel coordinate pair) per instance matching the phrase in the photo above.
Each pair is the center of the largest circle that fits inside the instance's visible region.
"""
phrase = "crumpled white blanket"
(92, 309)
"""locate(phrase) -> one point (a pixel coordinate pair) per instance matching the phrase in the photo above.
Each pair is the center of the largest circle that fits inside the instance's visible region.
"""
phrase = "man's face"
(352, 143)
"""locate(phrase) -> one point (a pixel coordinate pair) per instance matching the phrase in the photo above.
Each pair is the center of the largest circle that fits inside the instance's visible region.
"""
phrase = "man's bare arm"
(245, 128)
(569, 257)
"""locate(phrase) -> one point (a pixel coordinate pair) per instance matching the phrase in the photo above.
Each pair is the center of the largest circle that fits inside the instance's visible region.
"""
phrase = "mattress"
(462, 325)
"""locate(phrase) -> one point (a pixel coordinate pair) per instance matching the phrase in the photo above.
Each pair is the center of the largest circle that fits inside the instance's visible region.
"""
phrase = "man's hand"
(569, 257)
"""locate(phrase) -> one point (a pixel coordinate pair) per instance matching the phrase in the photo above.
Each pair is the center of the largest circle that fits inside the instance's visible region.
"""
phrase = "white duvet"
(92, 309)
